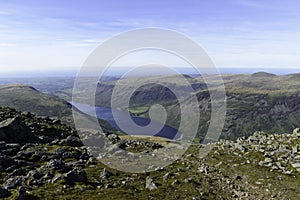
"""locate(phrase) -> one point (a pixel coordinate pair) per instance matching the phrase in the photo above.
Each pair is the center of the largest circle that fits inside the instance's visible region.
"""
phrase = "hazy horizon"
(37, 36)
(121, 70)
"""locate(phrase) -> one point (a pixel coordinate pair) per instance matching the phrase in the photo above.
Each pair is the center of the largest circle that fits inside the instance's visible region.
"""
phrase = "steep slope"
(260, 101)
(25, 98)
(28, 99)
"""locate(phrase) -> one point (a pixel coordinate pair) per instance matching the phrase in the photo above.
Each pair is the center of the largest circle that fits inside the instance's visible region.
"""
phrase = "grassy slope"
(28, 99)
(244, 92)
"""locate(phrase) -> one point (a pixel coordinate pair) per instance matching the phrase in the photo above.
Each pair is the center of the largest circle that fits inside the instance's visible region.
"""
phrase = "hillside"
(28, 99)
(259, 101)
(57, 166)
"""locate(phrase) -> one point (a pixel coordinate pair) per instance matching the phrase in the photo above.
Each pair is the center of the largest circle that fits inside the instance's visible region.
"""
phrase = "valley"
(259, 101)
(257, 156)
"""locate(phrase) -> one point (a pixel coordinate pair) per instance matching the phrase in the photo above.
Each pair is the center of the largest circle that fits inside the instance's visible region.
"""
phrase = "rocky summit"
(41, 158)
(35, 151)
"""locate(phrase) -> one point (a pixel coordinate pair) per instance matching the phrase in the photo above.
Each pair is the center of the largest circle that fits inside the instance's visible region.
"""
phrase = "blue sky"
(59, 35)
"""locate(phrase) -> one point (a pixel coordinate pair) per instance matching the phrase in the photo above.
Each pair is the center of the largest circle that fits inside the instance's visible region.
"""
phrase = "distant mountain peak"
(262, 74)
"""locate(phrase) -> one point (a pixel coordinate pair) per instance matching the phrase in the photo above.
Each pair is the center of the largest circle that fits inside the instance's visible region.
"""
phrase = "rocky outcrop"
(14, 130)
(38, 150)
(54, 161)
(281, 152)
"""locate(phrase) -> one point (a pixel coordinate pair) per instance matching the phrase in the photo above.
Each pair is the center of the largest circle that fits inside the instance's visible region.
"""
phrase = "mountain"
(28, 99)
(259, 101)
(262, 75)
(25, 98)
(41, 158)
(270, 104)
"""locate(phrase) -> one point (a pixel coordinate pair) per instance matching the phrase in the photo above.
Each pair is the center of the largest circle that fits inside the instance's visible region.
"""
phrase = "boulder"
(76, 175)
(74, 141)
(14, 130)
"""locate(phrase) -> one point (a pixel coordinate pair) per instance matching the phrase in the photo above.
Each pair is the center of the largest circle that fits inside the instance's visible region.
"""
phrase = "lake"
(106, 114)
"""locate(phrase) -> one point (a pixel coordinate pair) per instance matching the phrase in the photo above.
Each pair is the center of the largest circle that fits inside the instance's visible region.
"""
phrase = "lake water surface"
(106, 114)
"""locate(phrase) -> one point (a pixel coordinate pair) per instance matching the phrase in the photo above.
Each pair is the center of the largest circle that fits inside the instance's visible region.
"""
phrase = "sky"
(55, 35)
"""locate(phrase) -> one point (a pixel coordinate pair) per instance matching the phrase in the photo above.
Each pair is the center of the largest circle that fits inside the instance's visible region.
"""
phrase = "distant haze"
(121, 70)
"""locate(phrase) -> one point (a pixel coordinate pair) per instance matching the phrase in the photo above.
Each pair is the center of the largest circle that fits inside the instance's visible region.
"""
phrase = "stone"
(14, 182)
(294, 150)
(14, 130)
(105, 174)
(57, 177)
(112, 148)
(113, 138)
(17, 172)
(296, 132)
(34, 174)
(4, 192)
(279, 177)
(56, 164)
(74, 141)
(175, 182)
(22, 193)
(76, 175)
(188, 180)
(296, 165)
(167, 176)
(6, 161)
(268, 160)
(149, 184)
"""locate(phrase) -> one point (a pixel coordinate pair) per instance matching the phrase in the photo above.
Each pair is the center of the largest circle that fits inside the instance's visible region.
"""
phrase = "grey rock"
(6, 161)
(34, 174)
(296, 165)
(112, 148)
(17, 172)
(113, 138)
(4, 192)
(74, 141)
(57, 164)
(14, 182)
(296, 132)
(150, 185)
(22, 193)
(76, 175)
(57, 177)
(268, 160)
(167, 176)
(294, 150)
(105, 174)
(14, 130)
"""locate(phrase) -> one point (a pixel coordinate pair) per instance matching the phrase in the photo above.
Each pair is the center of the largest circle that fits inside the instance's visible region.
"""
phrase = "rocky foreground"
(41, 158)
